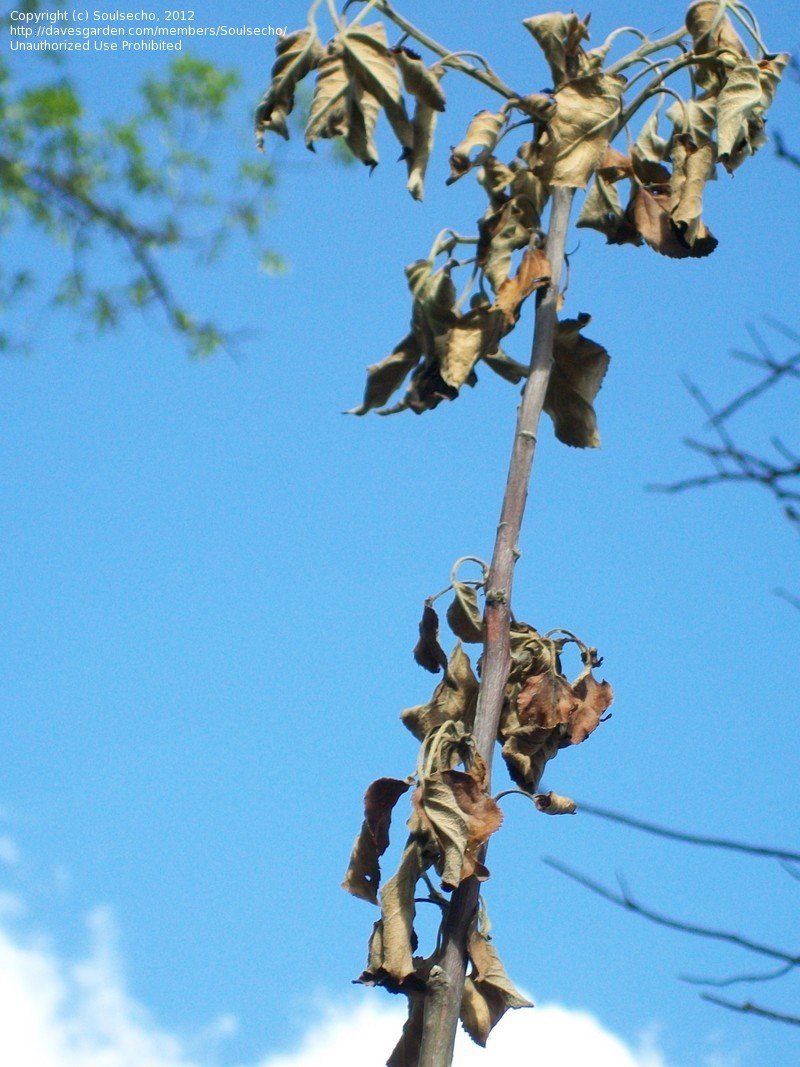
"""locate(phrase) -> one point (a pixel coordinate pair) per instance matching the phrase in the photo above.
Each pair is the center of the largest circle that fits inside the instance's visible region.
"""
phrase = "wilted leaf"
(482, 133)
(488, 991)
(297, 55)
(614, 166)
(363, 873)
(502, 232)
(464, 616)
(462, 817)
(559, 36)
(453, 700)
(533, 273)
(579, 366)
(384, 378)
(328, 115)
(574, 144)
(710, 32)
(649, 146)
(428, 652)
(420, 81)
(423, 129)
(603, 211)
(545, 700)
(472, 336)
(398, 941)
(691, 169)
(595, 699)
(508, 369)
(651, 216)
(362, 115)
(552, 804)
(372, 64)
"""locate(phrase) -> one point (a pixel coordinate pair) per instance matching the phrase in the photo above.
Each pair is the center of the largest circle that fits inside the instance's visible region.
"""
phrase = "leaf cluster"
(452, 813)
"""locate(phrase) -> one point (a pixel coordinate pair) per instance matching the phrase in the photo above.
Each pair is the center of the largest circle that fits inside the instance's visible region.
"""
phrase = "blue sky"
(211, 583)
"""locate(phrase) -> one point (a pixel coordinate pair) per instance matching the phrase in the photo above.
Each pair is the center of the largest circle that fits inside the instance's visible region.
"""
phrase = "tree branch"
(748, 1008)
(444, 1003)
(625, 900)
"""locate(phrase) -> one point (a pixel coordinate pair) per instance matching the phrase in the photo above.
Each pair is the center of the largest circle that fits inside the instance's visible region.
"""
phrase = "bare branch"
(721, 983)
(748, 1008)
(625, 900)
(688, 838)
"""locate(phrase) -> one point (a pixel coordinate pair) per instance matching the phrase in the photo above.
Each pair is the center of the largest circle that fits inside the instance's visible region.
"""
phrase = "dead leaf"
(398, 940)
(423, 128)
(472, 336)
(421, 81)
(482, 133)
(428, 652)
(297, 55)
(559, 36)
(595, 699)
(362, 115)
(533, 273)
(462, 817)
(464, 616)
(508, 369)
(603, 211)
(577, 138)
(488, 991)
(454, 699)
(384, 378)
(552, 804)
(328, 115)
(579, 366)
(363, 873)
(545, 700)
(370, 61)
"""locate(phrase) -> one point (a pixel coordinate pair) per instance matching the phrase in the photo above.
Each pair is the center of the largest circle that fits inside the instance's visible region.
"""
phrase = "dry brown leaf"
(464, 616)
(533, 273)
(482, 133)
(328, 115)
(454, 699)
(363, 110)
(488, 991)
(595, 699)
(371, 63)
(398, 940)
(428, 652)
(297, 55)
(691, 169)
(421, 81)
(423, 128)
(462, 817)
(614, 166)
(384, 378)
(508, 369)
(579, 366)
(553, 804)
(545, 700)
(574, 144)
(472, 336)
(603, 211)
(559, 36)
(363, 873)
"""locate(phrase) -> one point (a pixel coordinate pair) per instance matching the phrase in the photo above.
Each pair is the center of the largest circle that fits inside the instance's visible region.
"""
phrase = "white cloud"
(551, 1035)
(9, 853)
(56, 1012)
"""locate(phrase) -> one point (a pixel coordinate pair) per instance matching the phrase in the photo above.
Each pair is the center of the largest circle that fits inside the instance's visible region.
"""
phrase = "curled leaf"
(297, 55)
(384, 378)
(488, 991)
(371, 63)
(482, 133)
(553, 804)
(559, 36)
(328, 115)
(462, 817)
(603, 211)
(363, 873)
(423, 128)
(464, 616)
(453, 700)
(428, 652)
(533, 273)
(579, 366)
(420, 81)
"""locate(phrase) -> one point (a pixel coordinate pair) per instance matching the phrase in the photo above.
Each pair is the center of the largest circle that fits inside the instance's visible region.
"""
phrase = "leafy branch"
(562, 142)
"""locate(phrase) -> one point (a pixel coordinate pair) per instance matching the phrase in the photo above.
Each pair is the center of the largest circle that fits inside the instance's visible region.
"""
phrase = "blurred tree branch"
(96, 185)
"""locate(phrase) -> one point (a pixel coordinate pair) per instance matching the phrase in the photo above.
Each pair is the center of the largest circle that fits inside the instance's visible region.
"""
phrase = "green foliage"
(129, 196)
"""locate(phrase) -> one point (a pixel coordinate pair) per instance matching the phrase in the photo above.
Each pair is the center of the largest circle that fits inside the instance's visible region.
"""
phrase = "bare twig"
(748, 1008)
(721, 983)
(692, 839)
(625, 900)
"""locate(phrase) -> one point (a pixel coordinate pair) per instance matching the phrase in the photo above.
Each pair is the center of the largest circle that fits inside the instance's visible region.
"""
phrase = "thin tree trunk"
(445, 988)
